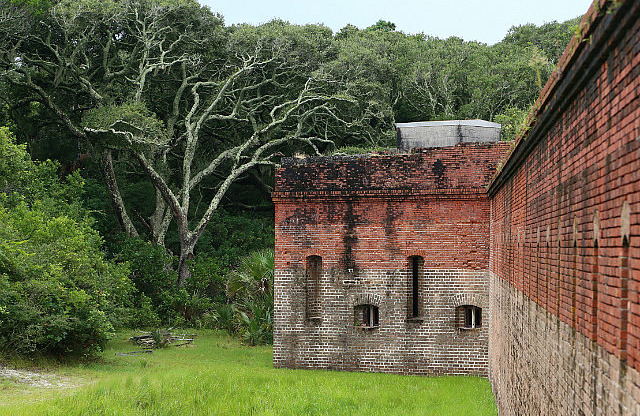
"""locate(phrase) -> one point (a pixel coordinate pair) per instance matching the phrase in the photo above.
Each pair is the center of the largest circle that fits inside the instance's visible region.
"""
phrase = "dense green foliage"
(250, 287)
(57, 292)
(165, 127)
(220, 377)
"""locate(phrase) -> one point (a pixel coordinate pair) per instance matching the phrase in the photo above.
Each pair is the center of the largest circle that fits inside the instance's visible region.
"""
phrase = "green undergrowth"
(218, 376)
(357, 150)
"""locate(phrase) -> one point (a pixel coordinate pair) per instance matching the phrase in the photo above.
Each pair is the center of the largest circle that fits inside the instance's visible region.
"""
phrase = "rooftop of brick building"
(465, 166)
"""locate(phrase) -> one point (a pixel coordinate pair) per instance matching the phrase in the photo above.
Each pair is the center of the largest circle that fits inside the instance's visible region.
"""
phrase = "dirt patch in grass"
(35, 379)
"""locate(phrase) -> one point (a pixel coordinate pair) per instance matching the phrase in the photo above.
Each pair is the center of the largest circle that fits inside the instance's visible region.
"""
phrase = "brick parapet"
(389, 194)
(603, 25)
(461, 168)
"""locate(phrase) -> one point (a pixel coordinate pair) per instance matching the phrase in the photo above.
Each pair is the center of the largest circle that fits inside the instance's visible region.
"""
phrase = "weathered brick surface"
(448, 170)
(365, 217)
(564, 265)
(565, 235)
(541, 366)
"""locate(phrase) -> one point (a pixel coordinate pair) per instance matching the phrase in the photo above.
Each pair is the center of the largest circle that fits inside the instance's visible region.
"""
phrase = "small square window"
(366, 316)
(469, 317)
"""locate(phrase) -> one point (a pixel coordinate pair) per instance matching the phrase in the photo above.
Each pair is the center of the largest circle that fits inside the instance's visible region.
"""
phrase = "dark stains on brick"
(469, 166)
(393, 212)
(301, 217)
(438, 171)
(349, 240)
(296, 223)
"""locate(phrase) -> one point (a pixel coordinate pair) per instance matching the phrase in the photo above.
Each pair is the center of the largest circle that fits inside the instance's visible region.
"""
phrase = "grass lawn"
(218, 376)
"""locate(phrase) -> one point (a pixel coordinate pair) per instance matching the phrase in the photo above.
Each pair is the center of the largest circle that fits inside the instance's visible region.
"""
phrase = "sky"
(481, 20)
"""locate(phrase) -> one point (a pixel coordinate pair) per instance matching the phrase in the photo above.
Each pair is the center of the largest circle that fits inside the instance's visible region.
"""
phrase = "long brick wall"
(565, 234)
(365, 217)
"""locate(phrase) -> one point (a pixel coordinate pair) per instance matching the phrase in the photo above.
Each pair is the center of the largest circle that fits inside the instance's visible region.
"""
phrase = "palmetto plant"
(251, 288)
(223, 318)
(253, 280)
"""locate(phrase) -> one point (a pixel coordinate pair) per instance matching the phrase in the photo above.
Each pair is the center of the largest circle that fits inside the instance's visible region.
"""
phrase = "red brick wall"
(578, 288)
(365, 216)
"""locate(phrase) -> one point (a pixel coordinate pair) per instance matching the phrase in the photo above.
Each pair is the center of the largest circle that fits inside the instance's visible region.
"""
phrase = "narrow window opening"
(469, 317)
(314, 273)
(414, 311)
(416, 265)
(367, 316)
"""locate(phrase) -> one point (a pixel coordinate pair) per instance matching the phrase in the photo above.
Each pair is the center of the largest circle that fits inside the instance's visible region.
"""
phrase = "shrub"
(208, 277)
(152, 274)
(58, 294)
(161, 338)
(512, 121)
(229, 237)
(155, 279)
(256, 323)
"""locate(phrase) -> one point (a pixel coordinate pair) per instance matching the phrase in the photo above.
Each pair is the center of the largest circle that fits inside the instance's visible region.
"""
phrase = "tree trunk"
(160, 220)
(114, 194)
(186, 254)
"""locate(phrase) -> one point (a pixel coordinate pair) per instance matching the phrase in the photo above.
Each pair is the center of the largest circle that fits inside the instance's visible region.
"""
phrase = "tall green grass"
(218, 376)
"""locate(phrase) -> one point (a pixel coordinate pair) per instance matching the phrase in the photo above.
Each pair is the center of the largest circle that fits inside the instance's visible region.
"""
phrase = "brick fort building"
(461, 254)
(382, 260)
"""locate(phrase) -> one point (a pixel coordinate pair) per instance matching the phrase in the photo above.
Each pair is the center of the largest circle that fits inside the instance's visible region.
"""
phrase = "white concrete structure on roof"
(446, 133)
